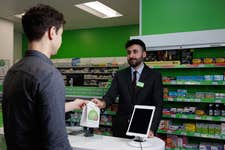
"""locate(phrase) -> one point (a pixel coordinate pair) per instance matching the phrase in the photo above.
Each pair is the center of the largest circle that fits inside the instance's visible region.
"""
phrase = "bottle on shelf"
(211, 110)
(223, 110)
(217, 110)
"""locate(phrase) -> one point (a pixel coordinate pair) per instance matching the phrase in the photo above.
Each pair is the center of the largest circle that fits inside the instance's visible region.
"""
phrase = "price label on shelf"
(214, 83)
(170, 99)
(179, 99)
(198, 117)
(205, 135)
(218, 101)
(179, 82)
(196, 83)
(183, 133)
(197, 100)
(173, 116)
(223, 82)
(184, 116)
(197, 134)
(169, 131)
(187, 100)
(222, 119)
(208, 118)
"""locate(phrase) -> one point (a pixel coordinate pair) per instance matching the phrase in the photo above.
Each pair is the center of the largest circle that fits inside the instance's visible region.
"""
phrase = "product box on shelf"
(222, 128)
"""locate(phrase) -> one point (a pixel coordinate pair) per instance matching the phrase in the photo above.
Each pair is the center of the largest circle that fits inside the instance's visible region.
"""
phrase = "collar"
(139, 70)
(38, 54)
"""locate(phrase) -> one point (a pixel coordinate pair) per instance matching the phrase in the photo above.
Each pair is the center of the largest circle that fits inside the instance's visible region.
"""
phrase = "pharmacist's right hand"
(99, 103)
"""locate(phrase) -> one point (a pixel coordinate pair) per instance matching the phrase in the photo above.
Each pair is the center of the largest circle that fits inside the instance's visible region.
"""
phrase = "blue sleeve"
(52, 112)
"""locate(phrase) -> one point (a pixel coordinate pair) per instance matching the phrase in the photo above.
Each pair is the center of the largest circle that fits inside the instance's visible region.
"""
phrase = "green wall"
(96, 42)
(169, 16)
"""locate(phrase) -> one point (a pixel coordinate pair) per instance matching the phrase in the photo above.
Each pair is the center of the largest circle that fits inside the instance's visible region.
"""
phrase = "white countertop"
(100, 142)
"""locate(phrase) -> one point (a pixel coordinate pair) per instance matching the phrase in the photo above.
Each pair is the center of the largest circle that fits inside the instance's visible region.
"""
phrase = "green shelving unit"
(195, 100)
(85, 92)
(191, 100)
(197, 66)
(193, 134)
(195, 117)
(213, 83)
(180, 148)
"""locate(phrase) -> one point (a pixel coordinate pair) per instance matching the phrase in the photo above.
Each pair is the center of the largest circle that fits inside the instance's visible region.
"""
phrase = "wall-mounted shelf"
(195, 117)
(195, 100)
(188, 66)
(214, 83)
(193, 134)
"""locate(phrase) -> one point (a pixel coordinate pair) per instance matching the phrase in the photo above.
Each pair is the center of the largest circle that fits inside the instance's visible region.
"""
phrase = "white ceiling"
(75, 17)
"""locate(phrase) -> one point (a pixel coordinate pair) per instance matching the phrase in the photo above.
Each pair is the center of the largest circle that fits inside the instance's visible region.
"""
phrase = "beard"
(135, 61)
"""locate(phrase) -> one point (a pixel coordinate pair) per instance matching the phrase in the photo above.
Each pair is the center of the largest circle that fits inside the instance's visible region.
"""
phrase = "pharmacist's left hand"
(150, 134)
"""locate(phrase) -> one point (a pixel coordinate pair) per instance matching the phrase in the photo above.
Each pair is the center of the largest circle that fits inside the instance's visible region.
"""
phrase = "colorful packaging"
(204, 146)
(217, 129)
(190, 127)
(90, 116)
(222, 128)
(211, 129)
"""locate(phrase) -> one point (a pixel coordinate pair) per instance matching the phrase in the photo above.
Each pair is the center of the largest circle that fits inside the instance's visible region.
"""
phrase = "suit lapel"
(128, 78)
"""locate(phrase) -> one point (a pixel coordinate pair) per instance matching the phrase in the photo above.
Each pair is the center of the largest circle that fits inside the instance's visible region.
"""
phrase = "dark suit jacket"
(151, 94)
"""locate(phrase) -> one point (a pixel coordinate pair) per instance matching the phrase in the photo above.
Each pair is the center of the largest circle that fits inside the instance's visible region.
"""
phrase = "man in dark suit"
(135, 85)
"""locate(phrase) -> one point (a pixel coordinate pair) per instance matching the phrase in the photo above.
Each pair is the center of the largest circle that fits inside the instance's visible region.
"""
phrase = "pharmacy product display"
(194, 98)
(88, 75)
(96, 72)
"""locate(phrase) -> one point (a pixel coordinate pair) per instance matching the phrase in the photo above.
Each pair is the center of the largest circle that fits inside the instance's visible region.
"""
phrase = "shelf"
(195, 100)
(193, 134)
(195, 117)
(214, 83)
(179, 148)
(219, 65)
(108, 112)
(106, 124)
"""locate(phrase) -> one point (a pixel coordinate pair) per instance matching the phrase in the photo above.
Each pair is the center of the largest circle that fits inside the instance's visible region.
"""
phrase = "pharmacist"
(135, 85)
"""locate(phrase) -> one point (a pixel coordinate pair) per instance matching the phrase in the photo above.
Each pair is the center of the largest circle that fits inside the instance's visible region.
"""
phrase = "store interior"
(185, 42)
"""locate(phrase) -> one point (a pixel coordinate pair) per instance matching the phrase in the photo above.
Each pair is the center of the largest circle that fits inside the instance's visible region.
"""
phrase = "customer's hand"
(150, 134)
(99, 103)
(76, 104)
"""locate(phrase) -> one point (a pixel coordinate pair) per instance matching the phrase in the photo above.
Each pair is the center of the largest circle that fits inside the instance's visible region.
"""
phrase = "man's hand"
(100, 104)
(76, 104)
(150, 134)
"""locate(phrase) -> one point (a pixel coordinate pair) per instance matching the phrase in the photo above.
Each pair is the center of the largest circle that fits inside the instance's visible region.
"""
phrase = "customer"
(135, 85)
(33, 89)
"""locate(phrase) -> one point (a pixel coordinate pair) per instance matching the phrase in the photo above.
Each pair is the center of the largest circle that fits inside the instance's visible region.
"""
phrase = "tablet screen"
(140, 121)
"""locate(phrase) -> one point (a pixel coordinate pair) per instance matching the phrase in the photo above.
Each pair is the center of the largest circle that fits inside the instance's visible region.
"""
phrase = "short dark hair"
(38, 19)
(135, 41)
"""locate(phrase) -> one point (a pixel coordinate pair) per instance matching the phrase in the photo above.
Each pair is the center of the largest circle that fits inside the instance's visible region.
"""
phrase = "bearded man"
(135, 85)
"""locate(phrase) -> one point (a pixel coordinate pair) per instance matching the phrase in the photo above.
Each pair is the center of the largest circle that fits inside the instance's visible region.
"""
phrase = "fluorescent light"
(98, 9)
(19, 15)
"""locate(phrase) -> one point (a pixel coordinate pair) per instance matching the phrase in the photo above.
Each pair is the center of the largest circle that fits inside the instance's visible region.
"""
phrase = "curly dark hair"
(136, 41)
(38, 19)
